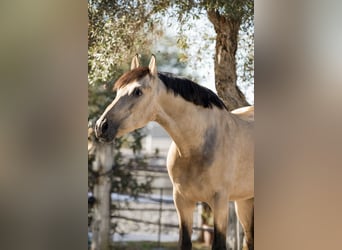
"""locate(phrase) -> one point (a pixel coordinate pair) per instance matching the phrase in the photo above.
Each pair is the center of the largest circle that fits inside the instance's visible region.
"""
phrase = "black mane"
(191, 91)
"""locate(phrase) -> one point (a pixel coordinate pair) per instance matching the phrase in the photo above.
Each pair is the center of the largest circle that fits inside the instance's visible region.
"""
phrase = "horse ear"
(135, 62)
(153, 66)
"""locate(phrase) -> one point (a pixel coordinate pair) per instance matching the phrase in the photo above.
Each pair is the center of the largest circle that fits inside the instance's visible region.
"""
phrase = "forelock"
(131, 76)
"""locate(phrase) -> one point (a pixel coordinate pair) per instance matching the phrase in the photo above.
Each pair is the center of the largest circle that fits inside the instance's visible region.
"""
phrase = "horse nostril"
(104, 126)
(101, 127)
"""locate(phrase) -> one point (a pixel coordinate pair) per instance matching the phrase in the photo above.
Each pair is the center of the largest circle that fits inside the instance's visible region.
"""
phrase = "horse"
(211, 158)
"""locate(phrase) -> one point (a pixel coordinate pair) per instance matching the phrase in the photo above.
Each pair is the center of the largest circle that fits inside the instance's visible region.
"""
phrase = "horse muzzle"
(105, 130)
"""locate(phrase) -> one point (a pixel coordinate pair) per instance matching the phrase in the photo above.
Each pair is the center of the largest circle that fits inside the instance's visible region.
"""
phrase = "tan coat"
(211, 158)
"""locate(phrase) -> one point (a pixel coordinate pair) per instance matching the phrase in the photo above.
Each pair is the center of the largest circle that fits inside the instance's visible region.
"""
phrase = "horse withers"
(211, 158)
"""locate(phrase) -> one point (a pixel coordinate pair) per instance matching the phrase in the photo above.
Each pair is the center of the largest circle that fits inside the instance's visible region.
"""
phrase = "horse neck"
(185, 122)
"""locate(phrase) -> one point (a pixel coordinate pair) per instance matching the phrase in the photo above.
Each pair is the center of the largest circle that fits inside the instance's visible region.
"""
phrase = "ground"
(154, 246)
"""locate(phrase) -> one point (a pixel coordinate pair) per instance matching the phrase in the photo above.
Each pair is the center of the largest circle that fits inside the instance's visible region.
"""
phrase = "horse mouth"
(108, 137)
(106, 140)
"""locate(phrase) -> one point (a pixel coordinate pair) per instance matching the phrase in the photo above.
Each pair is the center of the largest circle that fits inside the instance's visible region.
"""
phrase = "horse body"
(212, 154)
(199, 166)
(197, 159)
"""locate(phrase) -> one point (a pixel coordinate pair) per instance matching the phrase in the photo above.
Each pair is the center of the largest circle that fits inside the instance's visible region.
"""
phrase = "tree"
(118, 28)
(225, 70)
(227, 17)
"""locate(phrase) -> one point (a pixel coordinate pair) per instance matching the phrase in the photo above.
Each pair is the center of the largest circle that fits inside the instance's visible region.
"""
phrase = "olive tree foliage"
(116, 31)
(119, 29)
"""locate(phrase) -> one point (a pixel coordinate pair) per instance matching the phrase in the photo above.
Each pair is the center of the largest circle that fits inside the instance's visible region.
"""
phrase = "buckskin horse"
(211, 158)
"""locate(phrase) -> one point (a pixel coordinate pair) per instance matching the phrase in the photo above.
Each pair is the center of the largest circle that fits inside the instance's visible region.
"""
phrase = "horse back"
(244, 113)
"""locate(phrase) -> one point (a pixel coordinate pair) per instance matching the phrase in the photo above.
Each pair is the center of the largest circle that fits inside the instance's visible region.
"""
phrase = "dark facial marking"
(126, 102)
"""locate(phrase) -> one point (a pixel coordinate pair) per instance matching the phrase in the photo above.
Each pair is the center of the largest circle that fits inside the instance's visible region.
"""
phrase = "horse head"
(135, 102)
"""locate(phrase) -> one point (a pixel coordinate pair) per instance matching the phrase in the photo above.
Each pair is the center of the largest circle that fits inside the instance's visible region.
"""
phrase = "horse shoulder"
(175, 163)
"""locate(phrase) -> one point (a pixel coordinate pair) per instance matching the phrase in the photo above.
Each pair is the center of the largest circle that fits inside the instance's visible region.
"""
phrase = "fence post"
(160, 215)
(101, 217)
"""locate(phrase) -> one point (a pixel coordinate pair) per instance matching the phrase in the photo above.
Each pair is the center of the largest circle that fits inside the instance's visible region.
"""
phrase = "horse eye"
(137, 92)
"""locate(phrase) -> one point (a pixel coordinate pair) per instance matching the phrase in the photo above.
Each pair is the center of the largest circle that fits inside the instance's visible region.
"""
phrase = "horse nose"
(101, 127)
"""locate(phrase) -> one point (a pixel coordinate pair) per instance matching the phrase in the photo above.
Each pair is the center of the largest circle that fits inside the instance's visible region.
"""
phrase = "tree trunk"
(101, 219)
(227, 30)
